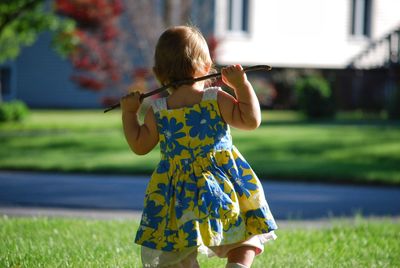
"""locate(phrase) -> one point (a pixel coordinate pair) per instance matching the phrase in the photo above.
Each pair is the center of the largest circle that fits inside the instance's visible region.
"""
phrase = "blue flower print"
(202, 203)
(242, 183)
(191, 187)
(222, 137)
(169, 246)
(213, 198)
(190, 229)
(230, 168)
(206, 148)
(151, 215)
(228, 165)
(215, 225)
(165, 191)
(241, 163)
(139, 233)
(200, 123)
(163, 166)
(261, 215)
(172, 131)
(149, 244)
(182, 202)
(186, 165)
(257, 213)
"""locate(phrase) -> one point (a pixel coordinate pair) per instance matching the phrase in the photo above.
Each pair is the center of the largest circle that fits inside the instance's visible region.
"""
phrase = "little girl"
(203, 196)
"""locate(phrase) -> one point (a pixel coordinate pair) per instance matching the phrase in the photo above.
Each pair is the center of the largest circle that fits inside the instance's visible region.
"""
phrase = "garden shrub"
(6, 113)
(13, 111)
(314, 97)
(20, 110)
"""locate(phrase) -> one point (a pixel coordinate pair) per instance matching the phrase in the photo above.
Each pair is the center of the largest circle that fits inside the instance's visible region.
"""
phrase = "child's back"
(203, 194)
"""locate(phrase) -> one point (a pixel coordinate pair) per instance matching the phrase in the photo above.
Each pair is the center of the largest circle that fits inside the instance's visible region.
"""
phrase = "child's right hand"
(130, 103)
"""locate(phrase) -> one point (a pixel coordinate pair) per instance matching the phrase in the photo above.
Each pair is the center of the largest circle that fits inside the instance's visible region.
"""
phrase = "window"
(238, 16)
(361, 18)
(5, 81)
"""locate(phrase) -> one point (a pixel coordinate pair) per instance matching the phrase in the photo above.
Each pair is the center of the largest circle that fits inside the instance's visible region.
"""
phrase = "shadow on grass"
(336, 122)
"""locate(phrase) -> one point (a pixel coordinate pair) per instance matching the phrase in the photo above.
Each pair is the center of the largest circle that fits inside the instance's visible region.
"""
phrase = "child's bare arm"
(243, 111)
(141, 138)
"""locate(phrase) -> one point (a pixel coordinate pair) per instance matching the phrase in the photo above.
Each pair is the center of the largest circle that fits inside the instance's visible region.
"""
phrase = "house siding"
(43, 79)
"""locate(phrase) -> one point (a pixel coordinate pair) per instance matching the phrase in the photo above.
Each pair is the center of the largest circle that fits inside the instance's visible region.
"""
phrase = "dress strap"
(210, 93)
(159, 105)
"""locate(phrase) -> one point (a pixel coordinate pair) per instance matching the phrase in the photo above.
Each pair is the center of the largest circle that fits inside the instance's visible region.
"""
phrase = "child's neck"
(185, 89)
(185, 95)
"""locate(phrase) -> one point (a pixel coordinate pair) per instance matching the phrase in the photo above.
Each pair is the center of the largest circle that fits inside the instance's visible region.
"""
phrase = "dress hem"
(154, 257)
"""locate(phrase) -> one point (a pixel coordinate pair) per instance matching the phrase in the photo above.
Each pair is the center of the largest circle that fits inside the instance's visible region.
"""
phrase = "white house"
(301, 33)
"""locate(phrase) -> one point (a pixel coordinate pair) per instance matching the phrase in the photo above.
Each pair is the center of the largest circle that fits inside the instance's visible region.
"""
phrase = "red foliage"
(89, 12)
(88, 82)
(109, 32)
(96, 30)
(108, 101)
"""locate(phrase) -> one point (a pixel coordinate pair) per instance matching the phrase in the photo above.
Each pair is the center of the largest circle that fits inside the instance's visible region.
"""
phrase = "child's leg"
(241, 256)
(235, 265)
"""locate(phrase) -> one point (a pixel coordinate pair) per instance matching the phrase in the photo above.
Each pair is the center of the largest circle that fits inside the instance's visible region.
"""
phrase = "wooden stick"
(191, 81)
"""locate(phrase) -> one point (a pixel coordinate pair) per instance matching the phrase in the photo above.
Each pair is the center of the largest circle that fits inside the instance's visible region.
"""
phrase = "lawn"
(56, 242)
(285, 147)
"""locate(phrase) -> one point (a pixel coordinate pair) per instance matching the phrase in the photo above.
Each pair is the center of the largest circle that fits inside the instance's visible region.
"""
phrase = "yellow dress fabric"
(202, 192)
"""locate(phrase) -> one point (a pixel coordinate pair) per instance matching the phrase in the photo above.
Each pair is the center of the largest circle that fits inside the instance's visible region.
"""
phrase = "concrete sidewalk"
(96, 214)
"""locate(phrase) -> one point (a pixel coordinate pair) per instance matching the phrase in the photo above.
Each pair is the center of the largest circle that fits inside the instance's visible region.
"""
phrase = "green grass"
(55, 242)
(349, 149)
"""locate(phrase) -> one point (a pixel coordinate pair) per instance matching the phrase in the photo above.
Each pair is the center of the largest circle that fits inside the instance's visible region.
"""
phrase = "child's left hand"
(234, 76)
(130, 103)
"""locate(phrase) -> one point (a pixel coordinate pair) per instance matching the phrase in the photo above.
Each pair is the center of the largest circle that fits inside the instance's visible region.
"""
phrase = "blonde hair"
(181, 51)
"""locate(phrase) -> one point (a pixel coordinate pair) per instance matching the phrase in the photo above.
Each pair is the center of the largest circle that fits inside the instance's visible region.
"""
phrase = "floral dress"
(202, 192)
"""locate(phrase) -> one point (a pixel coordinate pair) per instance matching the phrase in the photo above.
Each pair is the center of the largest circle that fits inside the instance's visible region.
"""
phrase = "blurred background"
(84, 54)
(331, 104)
